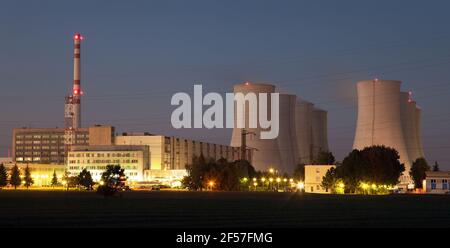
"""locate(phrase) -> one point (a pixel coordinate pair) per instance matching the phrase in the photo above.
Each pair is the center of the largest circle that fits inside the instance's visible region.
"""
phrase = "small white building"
(437, 182)
(313, 178)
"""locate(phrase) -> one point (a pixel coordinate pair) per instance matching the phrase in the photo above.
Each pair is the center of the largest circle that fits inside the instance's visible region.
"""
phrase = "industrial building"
(302, 132)
(144, 156)
(389, 117)
(173, 153)
(47, 145)
(43, 145)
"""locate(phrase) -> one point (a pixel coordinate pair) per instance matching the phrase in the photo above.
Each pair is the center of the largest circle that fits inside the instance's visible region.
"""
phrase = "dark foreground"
(220, 209)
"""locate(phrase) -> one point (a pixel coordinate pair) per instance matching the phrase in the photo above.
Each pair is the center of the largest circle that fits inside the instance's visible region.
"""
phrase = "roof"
(438, 173)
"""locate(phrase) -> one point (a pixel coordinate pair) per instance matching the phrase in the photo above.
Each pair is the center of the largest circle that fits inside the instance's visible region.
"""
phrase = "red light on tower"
(77, 36)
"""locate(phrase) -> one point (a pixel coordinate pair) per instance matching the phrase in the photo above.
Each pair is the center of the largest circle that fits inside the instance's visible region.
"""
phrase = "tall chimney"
(77, 92)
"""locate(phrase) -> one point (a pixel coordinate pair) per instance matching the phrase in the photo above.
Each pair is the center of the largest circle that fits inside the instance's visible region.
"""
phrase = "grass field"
(219, 209)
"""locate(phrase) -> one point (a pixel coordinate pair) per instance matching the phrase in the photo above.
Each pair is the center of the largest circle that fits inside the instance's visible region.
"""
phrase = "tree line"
(15, 179)
(371, 166)
(219, 175)
(113, 179)
(373, 169)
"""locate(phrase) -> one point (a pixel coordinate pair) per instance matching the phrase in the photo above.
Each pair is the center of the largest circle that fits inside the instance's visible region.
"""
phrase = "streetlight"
(263, 180)
(255, 184)
(270, 183)
(271, 170)
(211, 184)
(300, 185)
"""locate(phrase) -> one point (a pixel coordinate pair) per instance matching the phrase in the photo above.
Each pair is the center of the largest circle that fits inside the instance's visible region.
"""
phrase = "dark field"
(220, 209)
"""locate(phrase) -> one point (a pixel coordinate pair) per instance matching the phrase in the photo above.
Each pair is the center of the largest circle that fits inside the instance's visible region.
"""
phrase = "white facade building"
(437, 182)
(134, 159)
(313, 178)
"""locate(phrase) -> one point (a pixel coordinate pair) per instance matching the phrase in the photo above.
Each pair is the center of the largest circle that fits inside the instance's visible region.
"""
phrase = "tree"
(15, 180)
(436, 166)
(353, 170)
(195, 171)
(85, 179)
(73, 182)
(299, 172)
(66, 179)
(418, 171)
(3, 176)
(329, 180)
(374, 165)
(222, 174)
(112, 180)
(54, 179)
(27, 178)
(324, 157)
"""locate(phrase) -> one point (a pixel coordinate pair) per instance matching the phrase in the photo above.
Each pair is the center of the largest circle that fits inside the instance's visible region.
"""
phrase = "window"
(444, 184)
(433, 183)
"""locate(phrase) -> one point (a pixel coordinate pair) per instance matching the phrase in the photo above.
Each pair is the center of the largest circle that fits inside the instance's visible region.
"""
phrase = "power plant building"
(389, 117)
(43, 145)
(302, 131)
(173, 153)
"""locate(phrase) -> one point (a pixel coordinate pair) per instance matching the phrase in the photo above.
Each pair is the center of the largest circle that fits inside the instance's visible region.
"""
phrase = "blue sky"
(136, 54)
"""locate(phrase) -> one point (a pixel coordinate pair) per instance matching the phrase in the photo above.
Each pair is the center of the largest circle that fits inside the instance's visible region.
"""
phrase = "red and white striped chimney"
(77, 38)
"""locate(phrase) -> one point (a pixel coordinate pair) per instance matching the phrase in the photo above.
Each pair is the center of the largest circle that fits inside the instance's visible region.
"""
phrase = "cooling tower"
(266, 153)
(319, 131)
(408, 115)
(379, 118)
(287, 143)
(303, 127)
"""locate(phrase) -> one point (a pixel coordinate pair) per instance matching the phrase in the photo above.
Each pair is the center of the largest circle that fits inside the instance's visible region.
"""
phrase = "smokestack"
(77, 38)
(72, 111)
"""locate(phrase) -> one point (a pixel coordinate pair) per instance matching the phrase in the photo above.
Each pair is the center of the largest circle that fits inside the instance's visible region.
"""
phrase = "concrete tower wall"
(408, 114)
(419, 131)
(287, 143)
(319, 131)
(303, 127)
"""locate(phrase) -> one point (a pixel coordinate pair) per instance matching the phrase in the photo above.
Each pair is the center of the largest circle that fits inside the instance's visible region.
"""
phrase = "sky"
(137, 54)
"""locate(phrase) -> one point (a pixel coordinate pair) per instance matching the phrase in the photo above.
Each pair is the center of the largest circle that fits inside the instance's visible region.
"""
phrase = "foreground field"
(219, 209)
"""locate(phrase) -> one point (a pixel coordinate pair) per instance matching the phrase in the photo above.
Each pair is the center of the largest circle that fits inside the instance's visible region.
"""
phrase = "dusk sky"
(137, 54)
